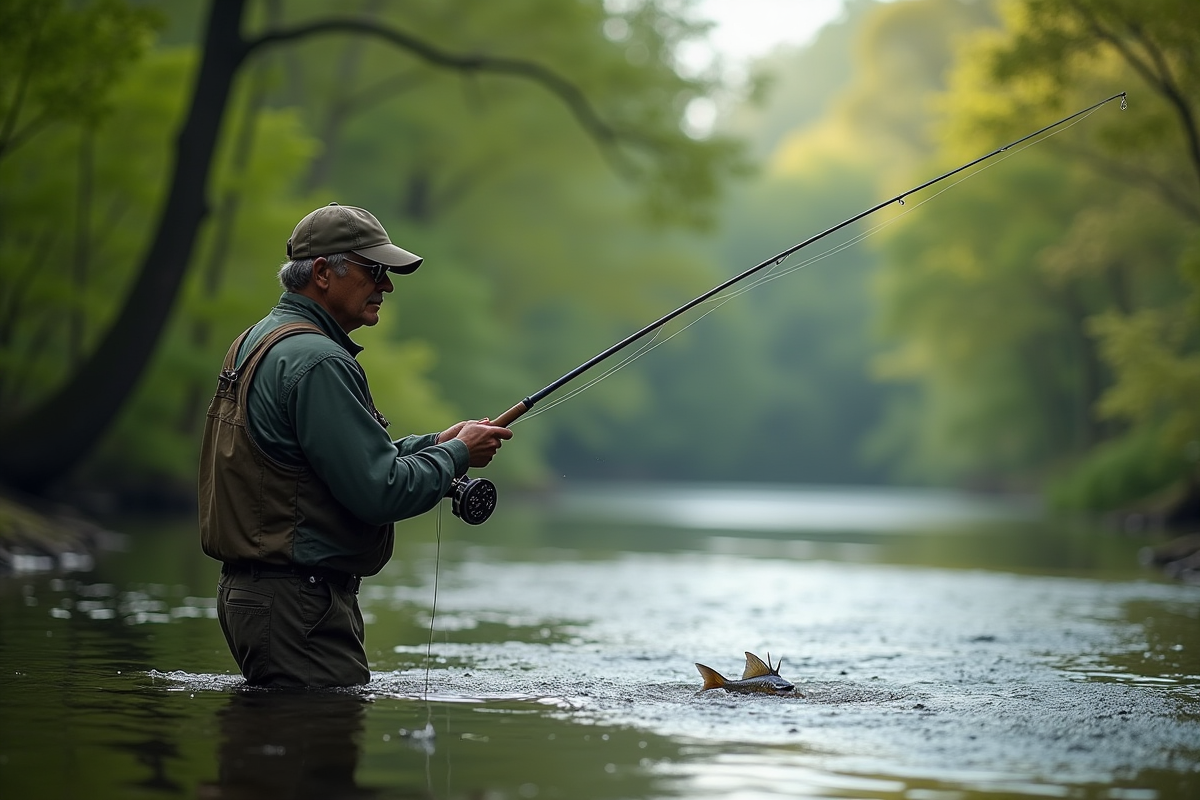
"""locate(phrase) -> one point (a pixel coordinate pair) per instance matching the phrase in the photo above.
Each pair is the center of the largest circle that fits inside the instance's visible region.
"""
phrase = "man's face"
(353, 300)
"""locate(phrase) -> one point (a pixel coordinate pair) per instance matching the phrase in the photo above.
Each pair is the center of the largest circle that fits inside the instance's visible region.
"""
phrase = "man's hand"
(481, 439)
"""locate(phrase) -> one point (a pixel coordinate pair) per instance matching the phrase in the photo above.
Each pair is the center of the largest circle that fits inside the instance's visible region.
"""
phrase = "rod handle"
(506, 419)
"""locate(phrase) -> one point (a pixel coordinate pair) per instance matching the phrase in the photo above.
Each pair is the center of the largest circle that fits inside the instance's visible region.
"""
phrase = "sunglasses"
(378, 271)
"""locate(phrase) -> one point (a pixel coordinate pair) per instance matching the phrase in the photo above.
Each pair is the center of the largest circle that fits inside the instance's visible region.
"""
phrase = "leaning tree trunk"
(42, 445)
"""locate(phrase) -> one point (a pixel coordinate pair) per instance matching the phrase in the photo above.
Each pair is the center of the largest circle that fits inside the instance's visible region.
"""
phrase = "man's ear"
(320, 272)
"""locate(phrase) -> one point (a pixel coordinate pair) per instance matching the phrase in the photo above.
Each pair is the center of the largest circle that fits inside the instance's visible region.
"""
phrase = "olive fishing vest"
(252, 505)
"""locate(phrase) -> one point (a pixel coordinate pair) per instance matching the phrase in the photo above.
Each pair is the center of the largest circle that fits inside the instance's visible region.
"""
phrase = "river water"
(942, 646)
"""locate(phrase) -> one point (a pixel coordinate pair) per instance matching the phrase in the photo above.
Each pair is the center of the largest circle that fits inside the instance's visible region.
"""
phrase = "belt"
(333, 577)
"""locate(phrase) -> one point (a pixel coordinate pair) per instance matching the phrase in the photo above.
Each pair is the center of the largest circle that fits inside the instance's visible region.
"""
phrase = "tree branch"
(1174, 196)
(606, 136)
(105, 230)
(1156, 74)
(17, 138)
(10, 120)
(387, 87)
(13, 300)
(1174, 95)
(456, 188)
(41, 339)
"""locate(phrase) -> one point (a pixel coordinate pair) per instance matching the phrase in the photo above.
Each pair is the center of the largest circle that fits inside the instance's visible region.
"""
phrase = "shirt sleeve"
(374, 477)
(411, 444)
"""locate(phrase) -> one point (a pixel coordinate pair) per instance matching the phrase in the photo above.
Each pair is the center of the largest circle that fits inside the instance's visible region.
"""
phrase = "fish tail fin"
(712, 678)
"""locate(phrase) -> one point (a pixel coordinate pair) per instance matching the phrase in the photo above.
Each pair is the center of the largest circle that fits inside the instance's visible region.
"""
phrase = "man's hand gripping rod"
(475, 498)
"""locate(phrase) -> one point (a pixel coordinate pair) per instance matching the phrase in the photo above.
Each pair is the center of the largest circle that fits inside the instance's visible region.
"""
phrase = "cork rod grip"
(506, 419)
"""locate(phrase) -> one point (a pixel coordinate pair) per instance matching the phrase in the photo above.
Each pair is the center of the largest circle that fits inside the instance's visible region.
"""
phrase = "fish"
(759, 677)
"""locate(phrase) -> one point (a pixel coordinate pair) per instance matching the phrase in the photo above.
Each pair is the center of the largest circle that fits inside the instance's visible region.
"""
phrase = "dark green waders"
(293, 630)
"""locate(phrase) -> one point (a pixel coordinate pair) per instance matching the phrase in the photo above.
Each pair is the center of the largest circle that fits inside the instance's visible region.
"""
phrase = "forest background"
(1035, 327)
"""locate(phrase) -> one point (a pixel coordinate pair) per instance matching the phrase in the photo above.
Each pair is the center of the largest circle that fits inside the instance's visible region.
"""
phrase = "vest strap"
(243, 373)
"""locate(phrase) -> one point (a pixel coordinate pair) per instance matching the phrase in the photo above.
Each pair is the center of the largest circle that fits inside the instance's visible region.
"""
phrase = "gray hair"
(295, 275)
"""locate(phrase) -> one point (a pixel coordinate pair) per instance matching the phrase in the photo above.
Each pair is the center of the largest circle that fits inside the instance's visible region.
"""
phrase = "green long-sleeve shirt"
(309, 404)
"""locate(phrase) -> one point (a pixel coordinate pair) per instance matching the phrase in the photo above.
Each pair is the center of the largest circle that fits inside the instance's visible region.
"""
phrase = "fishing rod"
(474, 499)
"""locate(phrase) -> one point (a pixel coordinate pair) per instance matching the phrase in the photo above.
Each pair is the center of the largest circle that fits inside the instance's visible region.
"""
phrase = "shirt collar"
(293, 304)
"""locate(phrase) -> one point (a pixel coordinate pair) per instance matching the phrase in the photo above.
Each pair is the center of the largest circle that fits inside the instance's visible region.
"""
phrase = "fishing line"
(525, 405)
(772, 275)
(474, 499)
(645, 348)
(437, 562)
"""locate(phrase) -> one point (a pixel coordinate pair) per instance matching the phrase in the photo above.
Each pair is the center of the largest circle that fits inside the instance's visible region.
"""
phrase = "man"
(299, 481)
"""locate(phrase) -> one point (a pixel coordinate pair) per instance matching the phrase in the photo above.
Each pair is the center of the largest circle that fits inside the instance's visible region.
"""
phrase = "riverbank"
(1179, 558)
(39, 537)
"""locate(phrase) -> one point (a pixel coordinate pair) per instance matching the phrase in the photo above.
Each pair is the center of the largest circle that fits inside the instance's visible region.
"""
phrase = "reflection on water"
(788, 508)
(945, 648)
(290, 744)
(1163, 653)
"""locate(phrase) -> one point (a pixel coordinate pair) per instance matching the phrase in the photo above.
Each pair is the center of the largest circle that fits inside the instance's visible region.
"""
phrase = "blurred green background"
(1035, 328)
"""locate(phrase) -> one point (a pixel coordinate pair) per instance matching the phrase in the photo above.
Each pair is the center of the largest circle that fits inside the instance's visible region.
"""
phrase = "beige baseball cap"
(346, 229)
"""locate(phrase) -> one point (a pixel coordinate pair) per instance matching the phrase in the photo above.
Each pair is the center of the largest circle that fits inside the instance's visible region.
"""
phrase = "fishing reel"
(472, 499)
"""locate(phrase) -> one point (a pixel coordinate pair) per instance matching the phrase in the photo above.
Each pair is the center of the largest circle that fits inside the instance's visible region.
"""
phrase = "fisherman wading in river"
(299, 482)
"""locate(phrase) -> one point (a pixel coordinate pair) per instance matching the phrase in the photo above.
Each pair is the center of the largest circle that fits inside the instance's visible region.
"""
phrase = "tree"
(41, 443)
(1151, 346)
(1112, 281)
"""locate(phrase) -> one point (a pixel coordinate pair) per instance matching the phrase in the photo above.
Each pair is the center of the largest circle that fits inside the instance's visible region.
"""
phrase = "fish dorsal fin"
(712, 678)
(756, 668)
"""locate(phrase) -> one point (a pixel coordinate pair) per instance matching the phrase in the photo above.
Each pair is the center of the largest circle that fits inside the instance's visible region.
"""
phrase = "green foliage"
(995, 338)
(539, 250)
(1045, 328)
(76, 198)
(531, 237)
(58, 64)
(809, 398)
(772, 385)
(1041, 318)
(882, 118)
(1153, 354)
(1119, 473)
(154, 442)
(462, 130)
